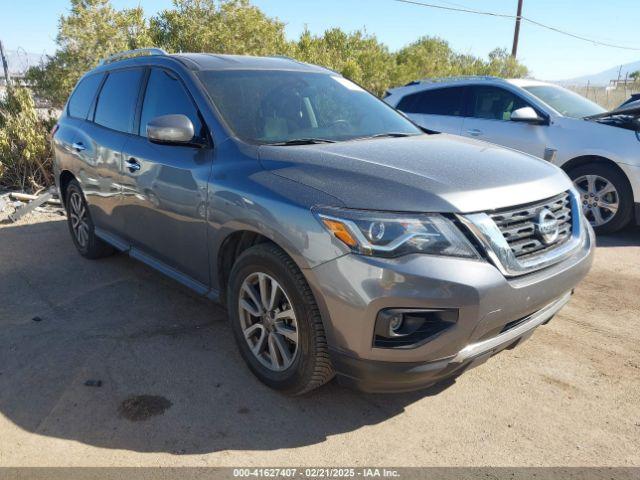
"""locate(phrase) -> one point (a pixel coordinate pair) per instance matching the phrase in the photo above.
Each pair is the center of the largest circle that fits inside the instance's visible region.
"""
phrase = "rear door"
(76, 149)
(438, 109)
(165, 188)
(111, 126)
(489, 118)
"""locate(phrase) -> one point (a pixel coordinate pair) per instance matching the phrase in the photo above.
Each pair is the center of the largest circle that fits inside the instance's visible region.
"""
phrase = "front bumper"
(352, 289)
(375, 376)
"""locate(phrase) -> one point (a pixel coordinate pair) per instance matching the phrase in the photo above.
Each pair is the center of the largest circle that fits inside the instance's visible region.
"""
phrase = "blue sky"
(32, 25)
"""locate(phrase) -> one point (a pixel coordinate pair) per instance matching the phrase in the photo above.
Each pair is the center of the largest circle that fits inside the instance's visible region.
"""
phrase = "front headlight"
(386, 234)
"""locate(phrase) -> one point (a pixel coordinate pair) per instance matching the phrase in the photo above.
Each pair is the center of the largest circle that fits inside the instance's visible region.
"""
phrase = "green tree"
(222, 26)
(426, 57)
(635, 75)
(358, 56)
(433, 57)
(502, 64)
(92, 31)
(25, 154)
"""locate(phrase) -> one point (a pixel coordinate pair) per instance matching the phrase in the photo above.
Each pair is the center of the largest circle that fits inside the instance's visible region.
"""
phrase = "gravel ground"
(108, 363)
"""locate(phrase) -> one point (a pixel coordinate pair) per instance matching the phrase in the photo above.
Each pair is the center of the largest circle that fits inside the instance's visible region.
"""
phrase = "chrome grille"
(518, 225)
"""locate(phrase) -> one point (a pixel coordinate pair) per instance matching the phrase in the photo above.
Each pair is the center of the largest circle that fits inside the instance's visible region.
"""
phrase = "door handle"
(133, 165)
(474, 132)
(78, 146)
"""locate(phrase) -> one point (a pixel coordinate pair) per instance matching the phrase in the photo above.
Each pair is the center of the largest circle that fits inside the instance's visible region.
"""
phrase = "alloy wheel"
(599, 197)
(79, 221)
(268, 321)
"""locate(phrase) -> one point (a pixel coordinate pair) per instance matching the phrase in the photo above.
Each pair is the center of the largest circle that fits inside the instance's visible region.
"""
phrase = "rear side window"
(440, 101)
(83, 95)
(117, 101)
(165, 95)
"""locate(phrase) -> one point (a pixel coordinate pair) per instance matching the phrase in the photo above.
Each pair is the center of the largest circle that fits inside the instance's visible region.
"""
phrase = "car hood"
(427, 173)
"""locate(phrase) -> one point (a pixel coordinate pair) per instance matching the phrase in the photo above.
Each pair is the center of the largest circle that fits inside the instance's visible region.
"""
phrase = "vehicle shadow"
(129, 332)
(627, 237)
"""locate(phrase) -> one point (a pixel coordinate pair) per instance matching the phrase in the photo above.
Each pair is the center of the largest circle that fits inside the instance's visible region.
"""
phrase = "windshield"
(564, 101)
(266, 106)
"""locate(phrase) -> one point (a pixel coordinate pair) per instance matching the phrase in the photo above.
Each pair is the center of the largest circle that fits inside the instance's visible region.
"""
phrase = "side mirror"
(171, 130)
(526, 115)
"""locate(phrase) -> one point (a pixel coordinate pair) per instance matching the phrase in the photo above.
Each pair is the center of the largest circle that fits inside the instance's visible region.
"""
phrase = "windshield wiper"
(388, 135)
(303, 141)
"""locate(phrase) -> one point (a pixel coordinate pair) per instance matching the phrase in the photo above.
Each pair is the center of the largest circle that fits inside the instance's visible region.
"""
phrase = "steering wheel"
(340, 125)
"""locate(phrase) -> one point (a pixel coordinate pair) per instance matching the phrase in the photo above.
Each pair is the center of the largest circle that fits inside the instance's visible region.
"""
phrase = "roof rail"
(285, 57)
(455, 78)
(300, 62)
(139, 52)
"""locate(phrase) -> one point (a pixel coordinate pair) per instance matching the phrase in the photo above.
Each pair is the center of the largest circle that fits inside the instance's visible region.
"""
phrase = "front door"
(165, 191)
(489, 118)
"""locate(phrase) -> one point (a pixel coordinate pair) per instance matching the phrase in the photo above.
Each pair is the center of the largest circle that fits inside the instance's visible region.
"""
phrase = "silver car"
(599, 150)
(342, 239)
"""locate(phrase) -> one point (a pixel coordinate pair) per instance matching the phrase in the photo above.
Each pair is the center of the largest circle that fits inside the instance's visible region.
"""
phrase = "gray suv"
(342, 239)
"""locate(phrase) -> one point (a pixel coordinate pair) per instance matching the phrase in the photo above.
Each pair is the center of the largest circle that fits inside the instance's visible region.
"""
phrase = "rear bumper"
(374, 376)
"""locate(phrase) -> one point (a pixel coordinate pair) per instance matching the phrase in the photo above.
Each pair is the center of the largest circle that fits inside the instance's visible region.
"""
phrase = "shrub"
(25, 153)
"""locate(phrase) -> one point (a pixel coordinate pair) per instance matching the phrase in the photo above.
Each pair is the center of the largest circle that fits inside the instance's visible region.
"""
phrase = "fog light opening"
(395, 325)
(408, 327)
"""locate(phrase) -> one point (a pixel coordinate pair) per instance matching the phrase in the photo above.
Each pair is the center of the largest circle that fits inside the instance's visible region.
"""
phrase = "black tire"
(624, 213)
(311, 366)
(90, 246)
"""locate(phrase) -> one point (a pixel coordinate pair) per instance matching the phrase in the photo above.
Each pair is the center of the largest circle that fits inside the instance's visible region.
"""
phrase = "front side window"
(565, 102)
(82, 97)
(272, 106)
(117, 101)
(440, 101)
(494, 103)
(165, 95)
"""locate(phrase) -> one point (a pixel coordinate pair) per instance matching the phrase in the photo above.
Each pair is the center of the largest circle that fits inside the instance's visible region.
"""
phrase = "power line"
(524, 19)
(456, 9)
(579, 37)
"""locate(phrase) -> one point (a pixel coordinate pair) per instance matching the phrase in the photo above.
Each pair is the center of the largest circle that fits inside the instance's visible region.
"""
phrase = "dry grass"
(608, 99)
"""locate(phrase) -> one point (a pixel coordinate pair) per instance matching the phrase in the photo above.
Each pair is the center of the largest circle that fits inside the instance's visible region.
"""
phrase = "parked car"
(341, 237)
(633, 98)
(598, 152)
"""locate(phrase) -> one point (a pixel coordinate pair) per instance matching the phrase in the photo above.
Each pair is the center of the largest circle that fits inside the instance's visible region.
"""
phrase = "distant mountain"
(602, 78)
(19, 62)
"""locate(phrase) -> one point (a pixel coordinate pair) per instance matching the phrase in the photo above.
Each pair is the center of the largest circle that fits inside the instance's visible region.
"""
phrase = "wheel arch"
(586, 159)
(236, 242)
(230, 249)
(65, 178)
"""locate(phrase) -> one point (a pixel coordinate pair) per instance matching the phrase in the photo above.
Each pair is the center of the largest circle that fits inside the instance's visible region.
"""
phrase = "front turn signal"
(341, 231)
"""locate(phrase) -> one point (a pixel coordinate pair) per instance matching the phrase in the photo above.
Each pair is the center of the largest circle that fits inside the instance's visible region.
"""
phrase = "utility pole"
(5, 65)
(516, 33)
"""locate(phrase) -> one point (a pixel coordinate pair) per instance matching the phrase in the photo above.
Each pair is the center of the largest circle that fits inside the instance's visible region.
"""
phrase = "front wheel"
(276, 322)
(605, 196)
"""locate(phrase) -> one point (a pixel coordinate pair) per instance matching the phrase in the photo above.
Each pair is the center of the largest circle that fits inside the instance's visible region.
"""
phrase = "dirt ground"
(107, 363)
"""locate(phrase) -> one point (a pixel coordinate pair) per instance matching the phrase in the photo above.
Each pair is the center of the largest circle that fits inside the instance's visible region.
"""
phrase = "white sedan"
(599, 150)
